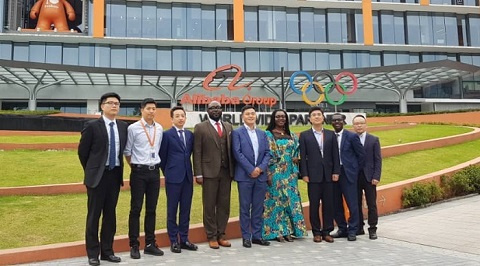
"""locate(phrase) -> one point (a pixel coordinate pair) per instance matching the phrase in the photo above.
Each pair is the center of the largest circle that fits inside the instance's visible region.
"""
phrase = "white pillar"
(32, 105)
(403, 106)
(92, 107)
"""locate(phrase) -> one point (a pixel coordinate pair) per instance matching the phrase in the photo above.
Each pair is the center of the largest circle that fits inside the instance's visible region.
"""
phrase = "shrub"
(421, 194)
(473, 174)
(459, 184)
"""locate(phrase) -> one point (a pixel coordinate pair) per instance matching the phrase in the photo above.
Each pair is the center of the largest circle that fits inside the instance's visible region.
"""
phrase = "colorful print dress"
(283, 213)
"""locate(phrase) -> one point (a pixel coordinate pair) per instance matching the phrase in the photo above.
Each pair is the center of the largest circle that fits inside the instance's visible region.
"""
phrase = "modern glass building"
(399, 50)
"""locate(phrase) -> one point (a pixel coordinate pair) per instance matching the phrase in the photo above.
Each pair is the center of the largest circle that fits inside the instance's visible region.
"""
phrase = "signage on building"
(263, 118)
(233, 85)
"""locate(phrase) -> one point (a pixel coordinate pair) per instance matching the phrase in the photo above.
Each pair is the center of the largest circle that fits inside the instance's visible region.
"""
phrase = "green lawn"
(50, 219)
(41, 139)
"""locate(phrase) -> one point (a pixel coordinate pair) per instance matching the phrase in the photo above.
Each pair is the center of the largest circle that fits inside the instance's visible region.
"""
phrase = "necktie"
(182, 138)
(219, 129)
(113, 153)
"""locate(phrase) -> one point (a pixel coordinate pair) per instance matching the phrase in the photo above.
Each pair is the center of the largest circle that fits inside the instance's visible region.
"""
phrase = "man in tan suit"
(213, 169)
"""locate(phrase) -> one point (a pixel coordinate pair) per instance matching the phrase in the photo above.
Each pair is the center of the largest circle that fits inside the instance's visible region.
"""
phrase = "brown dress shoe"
(224, 243)
(328, 239)
(213, 244)
(317, 239)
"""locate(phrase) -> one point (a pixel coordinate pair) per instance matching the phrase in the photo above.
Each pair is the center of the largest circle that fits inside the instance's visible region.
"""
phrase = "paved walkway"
(441, 234)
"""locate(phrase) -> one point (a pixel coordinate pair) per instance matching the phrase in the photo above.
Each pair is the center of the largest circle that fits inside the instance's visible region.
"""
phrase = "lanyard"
(152, 142)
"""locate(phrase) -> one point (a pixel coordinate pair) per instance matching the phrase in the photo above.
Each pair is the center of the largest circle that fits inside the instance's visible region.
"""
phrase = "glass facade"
(168, 20)
(207, 59)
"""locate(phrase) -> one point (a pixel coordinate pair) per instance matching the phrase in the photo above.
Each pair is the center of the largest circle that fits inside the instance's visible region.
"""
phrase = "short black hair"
(342, 115)
(271, 125)
(313, 109)
(109, 95)
(147, 101)
(175, 109)
(246, 107)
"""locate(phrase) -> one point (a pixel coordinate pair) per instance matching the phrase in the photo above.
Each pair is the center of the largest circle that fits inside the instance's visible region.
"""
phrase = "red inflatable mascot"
(53, 12)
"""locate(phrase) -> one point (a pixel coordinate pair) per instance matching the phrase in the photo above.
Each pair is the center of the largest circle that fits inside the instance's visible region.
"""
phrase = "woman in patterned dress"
(283, 213)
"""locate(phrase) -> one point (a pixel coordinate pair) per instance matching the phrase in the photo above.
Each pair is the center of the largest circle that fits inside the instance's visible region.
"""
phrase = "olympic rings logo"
(323, 91)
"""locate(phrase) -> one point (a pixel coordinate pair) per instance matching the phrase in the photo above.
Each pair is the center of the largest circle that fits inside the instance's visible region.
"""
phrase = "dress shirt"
(362, 137)
(319, 137)
(254, 139)
(117, 139)
(138, 146)
(180, 137)
(213, 122)
(339, 140)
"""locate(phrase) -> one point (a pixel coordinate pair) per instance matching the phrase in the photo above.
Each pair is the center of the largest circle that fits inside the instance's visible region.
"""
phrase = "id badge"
(153, 155)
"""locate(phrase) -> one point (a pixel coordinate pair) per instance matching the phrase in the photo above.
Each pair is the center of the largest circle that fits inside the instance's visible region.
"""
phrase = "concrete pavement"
(444, 233)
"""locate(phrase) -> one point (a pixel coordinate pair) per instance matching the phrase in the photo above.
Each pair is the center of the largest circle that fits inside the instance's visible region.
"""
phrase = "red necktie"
(219, 129)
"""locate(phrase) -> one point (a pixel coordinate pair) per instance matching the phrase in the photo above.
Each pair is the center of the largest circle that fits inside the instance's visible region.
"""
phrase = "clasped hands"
(256, 172)
(334, 178)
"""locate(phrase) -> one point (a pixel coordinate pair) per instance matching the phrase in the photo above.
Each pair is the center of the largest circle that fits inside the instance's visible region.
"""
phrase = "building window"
(251, 23)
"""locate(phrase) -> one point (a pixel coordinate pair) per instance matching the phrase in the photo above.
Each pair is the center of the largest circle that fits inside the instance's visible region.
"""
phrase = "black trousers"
(324, 192)
(371, 199)
(143, 182)
(102, 200)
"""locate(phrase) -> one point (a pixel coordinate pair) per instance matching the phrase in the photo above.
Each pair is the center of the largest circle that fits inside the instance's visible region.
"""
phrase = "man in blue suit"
(175, 152)
(252, 153)
(351, 161)
(369, 176)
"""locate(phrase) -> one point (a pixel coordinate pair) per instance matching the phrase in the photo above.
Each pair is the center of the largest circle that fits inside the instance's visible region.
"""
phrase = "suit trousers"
(102, 200)
(371, 199)
(143, 182)
(216, 203)
(349, 191)
(251, 195)
(324, 192)
(179, 196)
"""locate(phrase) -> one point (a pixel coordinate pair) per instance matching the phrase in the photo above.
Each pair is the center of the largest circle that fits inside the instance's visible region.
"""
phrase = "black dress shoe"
(360, 232)
(261, 242)
(351, 237)
(93, 261)
(152, 249)
(247, 243)
(111, 258)
(288, 238)
(339, 234)
(189, 246)
(175, 248)
(134, 253)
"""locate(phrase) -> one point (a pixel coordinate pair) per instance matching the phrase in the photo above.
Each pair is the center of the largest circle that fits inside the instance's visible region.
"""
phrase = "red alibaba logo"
(232, 86)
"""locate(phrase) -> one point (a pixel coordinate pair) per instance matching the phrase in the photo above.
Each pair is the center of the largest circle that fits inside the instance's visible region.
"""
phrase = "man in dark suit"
(175, 152)
(369, 176)
(252, 154)
(351, 161)
(319, 168)
(213, 169)
(100, 152)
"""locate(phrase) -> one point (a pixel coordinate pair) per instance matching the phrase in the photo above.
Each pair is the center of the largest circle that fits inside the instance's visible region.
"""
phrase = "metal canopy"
(409, 75)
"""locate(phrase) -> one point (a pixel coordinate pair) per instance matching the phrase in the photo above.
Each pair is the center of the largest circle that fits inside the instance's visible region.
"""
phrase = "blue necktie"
(113, 153)
(182, 138)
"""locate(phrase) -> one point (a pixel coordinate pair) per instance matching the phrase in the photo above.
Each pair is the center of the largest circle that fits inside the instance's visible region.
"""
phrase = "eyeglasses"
(214, 108)
(337, 120)
(112, 103)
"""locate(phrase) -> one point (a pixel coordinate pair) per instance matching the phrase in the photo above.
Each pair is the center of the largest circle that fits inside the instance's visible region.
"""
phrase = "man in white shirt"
(142, 153)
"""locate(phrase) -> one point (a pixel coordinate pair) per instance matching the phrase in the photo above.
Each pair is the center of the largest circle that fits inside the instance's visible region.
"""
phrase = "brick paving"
(440, 234)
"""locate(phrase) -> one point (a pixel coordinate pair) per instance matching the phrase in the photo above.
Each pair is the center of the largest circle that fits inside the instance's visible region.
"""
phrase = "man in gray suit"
(369, 176)
(213, 169)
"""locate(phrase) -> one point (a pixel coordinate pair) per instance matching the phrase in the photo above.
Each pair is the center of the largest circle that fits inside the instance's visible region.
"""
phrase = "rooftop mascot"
(53, 12)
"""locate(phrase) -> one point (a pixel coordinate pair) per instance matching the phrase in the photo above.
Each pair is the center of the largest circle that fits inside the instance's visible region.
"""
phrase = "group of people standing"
(265, 164)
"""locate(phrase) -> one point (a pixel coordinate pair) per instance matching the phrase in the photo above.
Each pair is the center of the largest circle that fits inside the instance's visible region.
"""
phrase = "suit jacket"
(245, 156)
(312, 164)
(175, 157)
(373, 158)
(352, 155)
(206, 149)
(93, 149)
